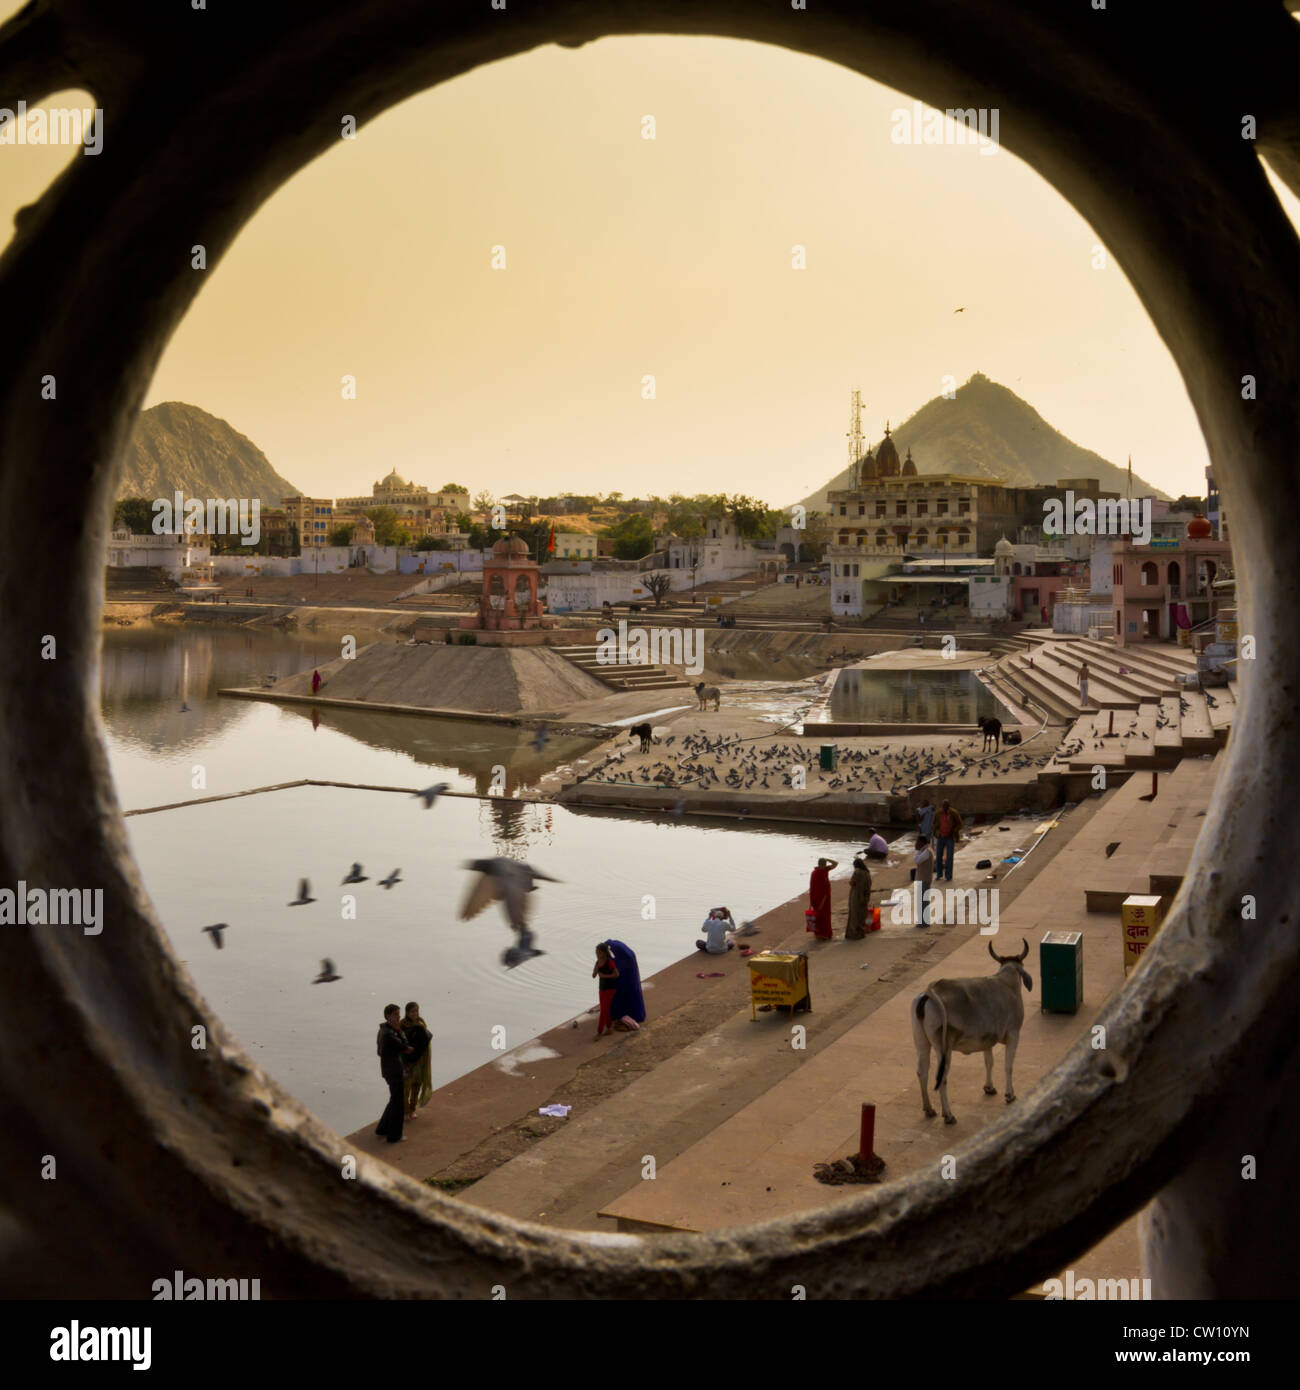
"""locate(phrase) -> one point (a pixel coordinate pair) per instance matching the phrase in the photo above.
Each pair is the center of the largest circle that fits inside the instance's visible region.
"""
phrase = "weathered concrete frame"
(173, 1158)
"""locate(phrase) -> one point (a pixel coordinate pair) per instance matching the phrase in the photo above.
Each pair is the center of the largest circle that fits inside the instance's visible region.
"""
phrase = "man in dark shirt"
(392, 1046)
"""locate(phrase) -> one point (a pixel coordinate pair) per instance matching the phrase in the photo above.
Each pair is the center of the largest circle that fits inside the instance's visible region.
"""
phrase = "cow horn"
(995, 955)
(1025, 952)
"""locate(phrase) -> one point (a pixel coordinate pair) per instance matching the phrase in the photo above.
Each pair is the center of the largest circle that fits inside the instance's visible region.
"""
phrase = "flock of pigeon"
(698, 758)
(507, 881)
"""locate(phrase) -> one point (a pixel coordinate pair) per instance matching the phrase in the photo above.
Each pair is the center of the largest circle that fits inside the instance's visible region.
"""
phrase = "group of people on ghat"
(938, 830)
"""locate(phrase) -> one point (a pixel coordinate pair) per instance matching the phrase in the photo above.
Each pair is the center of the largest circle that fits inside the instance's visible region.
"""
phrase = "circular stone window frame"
(175, 1157)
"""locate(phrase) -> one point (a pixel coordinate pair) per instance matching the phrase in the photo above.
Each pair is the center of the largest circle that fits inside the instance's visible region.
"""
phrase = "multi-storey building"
(1165, 585)
(311, 517)
(423, 512)
(894, 511)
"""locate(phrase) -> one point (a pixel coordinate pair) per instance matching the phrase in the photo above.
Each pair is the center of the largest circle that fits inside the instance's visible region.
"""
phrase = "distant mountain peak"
(987, 431)
(176, 446)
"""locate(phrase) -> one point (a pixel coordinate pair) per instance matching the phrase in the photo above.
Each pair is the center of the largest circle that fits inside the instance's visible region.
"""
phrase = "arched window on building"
(882, 537)
(1150, 573)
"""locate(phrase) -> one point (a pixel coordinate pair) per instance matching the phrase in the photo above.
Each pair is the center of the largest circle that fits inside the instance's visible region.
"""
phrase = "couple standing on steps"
(406, 1065)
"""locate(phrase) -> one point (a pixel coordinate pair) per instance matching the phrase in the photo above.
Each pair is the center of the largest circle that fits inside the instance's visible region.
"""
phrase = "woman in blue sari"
(628, 1002)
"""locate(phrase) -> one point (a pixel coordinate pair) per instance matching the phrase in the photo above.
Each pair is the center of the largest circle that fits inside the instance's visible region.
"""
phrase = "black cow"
(992, 731)
(645, 733)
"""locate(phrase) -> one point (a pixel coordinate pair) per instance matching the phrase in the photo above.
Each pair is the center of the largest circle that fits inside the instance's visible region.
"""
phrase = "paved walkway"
(757, 1162)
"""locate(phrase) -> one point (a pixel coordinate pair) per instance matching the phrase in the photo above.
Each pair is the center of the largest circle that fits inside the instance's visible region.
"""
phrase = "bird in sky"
(962, 310)
(304, 894)
(355, 875)
(215, 933)
(394, 877)
(327, 974)
(431, 794)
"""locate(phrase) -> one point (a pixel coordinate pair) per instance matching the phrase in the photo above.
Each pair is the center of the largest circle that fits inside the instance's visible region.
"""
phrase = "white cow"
(970, 1016)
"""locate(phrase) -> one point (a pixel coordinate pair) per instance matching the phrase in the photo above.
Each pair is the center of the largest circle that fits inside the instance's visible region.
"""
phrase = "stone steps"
(625, 675)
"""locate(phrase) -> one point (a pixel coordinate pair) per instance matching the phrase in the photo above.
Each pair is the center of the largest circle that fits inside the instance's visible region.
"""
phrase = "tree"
(454, 487)
(341, 535)
(433, 543)
(659, 585)
(484, 502)
(633, 537)
(480, 537)
(135, 513)
(685, 517)
(294, 546)
(387, 531)
(753, 518)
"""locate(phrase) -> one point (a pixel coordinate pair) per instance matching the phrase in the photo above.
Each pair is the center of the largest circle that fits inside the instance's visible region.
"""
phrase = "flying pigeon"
(355, 875)
(327, 974)
(215, 933)
(394, 877)
(304, 894)
(431, 794)
(507, 881)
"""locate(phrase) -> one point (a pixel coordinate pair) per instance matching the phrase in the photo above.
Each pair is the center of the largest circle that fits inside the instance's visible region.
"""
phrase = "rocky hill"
(988, 431)
(178, 446)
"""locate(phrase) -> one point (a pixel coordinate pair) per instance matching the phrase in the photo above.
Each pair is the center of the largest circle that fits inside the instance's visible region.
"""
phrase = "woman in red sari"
(819, 896)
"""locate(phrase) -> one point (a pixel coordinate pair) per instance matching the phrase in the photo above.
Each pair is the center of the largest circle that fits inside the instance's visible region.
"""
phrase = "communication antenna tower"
(857, 445)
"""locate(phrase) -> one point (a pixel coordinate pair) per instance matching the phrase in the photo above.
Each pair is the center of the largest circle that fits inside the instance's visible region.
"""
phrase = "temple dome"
(501, 548)
(887, 464)
(867, 467)
(394, 480)
(909, 468)
(1199, 528)
(518, 548)
(1004, 547)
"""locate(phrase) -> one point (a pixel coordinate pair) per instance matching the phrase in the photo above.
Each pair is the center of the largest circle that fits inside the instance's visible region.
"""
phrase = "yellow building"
(312, 517)
(423, 513)
(574, 545)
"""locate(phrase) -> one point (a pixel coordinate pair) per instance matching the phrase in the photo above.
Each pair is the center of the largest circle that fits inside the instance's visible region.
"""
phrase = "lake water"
(647, 882)
(914, 697)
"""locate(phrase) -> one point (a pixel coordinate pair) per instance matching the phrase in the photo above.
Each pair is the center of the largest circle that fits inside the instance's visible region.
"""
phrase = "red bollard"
(1155, 782)
(867, 1136)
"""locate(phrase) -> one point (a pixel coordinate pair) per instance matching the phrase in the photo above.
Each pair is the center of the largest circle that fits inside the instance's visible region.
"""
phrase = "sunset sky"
(670, 257)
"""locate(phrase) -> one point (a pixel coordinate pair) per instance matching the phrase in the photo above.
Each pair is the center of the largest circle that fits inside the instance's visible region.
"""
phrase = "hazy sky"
(672, 257)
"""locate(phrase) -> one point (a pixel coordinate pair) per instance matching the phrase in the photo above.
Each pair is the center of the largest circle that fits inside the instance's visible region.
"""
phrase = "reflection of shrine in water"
(500, 760)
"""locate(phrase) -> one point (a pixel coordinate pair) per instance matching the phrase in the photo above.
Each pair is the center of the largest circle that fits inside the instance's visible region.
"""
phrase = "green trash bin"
(829, 757)
(1060, 967)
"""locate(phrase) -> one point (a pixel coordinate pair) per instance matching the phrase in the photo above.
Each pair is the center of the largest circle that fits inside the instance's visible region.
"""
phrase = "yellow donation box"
(778, 979)
(1141, 917)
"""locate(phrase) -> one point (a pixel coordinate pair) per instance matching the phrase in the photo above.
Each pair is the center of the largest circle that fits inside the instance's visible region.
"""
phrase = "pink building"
(1165, 585)
(1038, 574)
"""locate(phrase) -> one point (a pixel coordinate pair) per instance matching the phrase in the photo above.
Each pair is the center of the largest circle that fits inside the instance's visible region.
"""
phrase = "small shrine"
(509, 600)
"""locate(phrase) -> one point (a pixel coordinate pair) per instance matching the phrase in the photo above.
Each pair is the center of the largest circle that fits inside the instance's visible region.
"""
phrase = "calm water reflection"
(913, 697)
(648, 883)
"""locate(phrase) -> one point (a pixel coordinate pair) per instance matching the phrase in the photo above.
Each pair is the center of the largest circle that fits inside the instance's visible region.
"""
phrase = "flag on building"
(550, 544)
